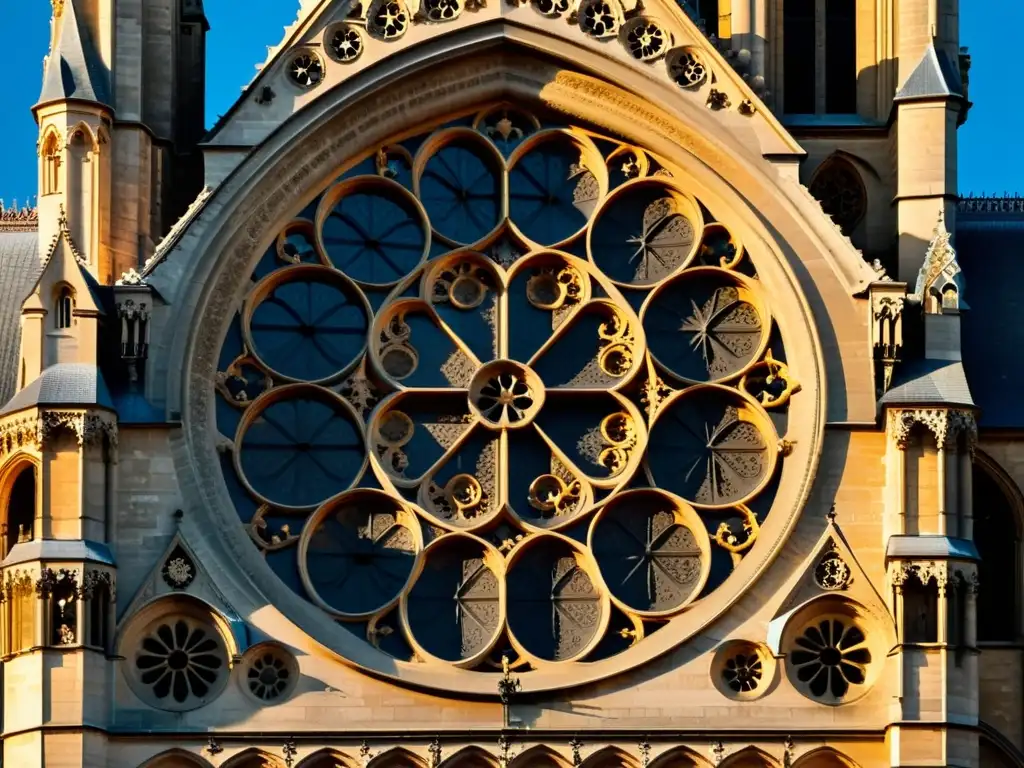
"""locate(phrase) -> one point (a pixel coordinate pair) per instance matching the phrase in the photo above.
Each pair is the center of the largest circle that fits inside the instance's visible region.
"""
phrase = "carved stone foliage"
(887, 304)
(35, 430)
(179, 569)
(943, 574)
(429, 403)
(947, 425)
(832, 573)
(940, 282)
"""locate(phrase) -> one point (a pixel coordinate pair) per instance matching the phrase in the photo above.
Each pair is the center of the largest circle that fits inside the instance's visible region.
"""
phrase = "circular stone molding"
(489, 428)
(269, 673)
(177, 661)
(834, 651)
(743, 670)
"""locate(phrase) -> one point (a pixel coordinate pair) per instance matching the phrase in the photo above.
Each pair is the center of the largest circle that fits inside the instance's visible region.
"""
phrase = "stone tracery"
(499, 289)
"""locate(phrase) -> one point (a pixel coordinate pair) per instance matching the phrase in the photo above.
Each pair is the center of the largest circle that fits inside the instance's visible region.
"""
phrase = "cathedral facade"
(511, 383)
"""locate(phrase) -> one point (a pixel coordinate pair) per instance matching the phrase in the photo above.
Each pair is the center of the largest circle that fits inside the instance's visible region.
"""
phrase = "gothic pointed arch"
(680, 757)
(328, 758)
(396, 757)
(610, 757)
(254, 758)
(750, 757)
(837, 184)
(998, 507)
(824, 757)
(176, 758)
(51, 153)
(18, 499)
(539, 756)
(470, 757)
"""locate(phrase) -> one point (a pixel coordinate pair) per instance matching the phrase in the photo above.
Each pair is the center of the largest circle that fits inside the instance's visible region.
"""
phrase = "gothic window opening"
(798, 31)
(22, 617)
(51, 165)
(838, 186)
(65, 307)
(920, 612)
(997, 538)
(819, 57)
(61, 591)
(99, 612)
(21, 509)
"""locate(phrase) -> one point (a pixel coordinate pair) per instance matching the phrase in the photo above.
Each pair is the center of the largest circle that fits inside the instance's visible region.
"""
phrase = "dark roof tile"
(19, 270)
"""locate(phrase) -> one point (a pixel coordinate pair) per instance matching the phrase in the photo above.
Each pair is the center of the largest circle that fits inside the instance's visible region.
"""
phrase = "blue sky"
(991, 156)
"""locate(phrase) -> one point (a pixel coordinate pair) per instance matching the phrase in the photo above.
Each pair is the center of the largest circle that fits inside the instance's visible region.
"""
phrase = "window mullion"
(819, 57)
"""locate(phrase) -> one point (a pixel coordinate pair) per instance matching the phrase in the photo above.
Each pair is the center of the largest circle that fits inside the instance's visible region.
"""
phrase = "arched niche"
(997, 507)
(18, 501)
(328, 758)
(750, 757)
(825, 757)
(51, 155)
(254, 758)
(175, 758)
(838, 185)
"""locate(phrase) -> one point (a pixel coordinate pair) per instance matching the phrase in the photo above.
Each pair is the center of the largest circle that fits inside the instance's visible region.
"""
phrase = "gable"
(334, 44)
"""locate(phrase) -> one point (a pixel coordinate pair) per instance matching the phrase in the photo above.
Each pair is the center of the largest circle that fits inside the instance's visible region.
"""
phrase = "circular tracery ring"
(537, 437)
(359, 553)
(298, 445)
(307, 323)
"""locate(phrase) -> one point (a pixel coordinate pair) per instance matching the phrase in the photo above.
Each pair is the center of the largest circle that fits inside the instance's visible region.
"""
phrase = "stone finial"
(940, 283)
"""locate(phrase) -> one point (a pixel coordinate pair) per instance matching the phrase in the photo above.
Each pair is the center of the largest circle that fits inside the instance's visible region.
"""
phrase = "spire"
(940, 282)
(73, 68)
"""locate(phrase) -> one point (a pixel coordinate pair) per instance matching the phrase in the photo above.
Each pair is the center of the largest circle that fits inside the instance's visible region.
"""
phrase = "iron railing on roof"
(990, 204)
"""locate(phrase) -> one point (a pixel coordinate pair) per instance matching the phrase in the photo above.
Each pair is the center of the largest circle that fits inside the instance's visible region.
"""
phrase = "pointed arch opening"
(839, 187)
(52, 159)
(83, 177)
(824, 757)
(997, 507)
(254, 758)
(18, 503)
(328, 758)
(175, 758)
(64, 307)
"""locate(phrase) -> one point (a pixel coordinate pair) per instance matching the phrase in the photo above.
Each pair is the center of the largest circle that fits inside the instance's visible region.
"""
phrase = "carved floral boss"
(548, 438)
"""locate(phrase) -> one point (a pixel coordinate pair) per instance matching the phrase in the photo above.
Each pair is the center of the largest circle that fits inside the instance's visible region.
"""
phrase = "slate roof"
(50, 550)
(929, 382)
(74, 69)
(990, 241)
(19, 270)
(931, 547)
(69, 384)
(935, 76)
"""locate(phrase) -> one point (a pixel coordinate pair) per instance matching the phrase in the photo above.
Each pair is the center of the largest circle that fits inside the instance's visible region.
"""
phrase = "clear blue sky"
(991, 153)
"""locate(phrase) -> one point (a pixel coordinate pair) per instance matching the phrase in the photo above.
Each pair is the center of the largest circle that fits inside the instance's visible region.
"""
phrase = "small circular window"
(742, 670)
(179, 663)
(305, 69)
(830, 658)
(270, 674)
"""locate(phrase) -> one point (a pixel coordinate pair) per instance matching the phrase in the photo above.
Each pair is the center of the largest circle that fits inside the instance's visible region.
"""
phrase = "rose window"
(180, 663)
(831, 657)
(491, 397)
